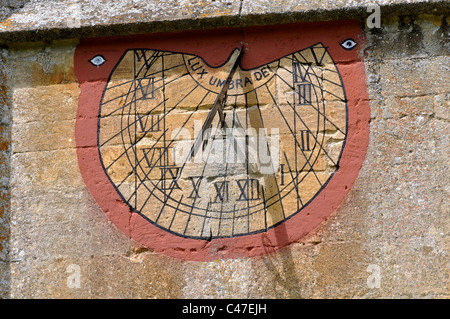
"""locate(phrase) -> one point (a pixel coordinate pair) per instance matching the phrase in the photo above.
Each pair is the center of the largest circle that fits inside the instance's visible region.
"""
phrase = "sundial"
(224, 143)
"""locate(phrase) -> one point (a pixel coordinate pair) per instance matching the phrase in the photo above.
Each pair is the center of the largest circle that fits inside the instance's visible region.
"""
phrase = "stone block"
(414, 76)
(45, 64)
(87, 228)
(43, 136)
(50, 103)
(142, 275)
(5, 276)
(47, 170)
(4, 169)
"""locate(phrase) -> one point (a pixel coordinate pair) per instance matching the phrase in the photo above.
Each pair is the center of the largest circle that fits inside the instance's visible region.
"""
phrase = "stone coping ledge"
(44, 20)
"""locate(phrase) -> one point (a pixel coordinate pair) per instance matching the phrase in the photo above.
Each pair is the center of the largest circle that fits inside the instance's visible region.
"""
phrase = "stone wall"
(5, 152)
(389, 238)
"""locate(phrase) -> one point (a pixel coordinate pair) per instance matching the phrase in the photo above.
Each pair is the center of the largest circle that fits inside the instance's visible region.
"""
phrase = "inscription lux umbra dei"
(249, 80)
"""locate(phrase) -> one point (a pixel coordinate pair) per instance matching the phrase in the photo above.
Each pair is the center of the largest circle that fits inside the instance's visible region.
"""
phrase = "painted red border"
(262, 44)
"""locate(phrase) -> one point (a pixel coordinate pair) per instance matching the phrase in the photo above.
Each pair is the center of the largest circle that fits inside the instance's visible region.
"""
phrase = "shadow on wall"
(282, 267)
(9, 7)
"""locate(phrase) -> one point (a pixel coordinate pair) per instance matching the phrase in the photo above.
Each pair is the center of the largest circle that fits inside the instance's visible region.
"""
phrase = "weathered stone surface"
(412, 77)
(48, 104)
(61, 136)
(396, 217)
(143, 275)
(44, 64)
(5, 194)
(32, 171)
(31, 20)
(62, 210)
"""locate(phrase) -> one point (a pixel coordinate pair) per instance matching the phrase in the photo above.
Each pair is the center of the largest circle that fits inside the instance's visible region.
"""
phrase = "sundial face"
(200, 154)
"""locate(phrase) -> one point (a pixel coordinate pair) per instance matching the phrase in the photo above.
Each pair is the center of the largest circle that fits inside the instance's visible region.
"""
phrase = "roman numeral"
(141, 55)
(303, 93)
(169, 173)
(148, 57)
(298, 72)
(157, 156)
(304, 140)
(221, 189)
(152, 121)
(318, 52)
(282, 174)
(195, 186)
(301, 85)
(249, 189)
(145, 88)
